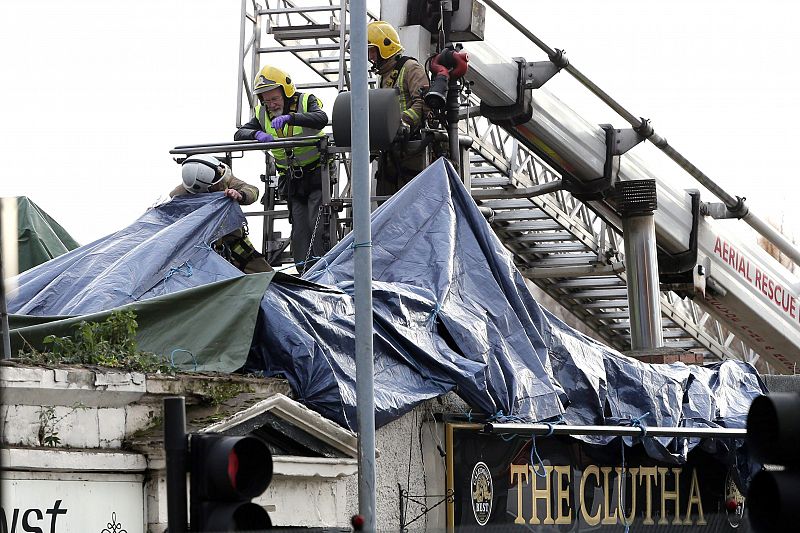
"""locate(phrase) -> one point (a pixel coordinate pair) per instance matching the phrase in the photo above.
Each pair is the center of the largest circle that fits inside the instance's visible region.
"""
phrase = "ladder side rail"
(562, 207)
(247, 52)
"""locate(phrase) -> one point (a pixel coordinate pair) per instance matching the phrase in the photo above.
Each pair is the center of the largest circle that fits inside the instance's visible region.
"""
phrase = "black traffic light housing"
(226, 473)
(773, 435)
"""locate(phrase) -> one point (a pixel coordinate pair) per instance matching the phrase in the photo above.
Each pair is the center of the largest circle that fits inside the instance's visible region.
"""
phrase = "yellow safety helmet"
(271, 77)
(381, 34)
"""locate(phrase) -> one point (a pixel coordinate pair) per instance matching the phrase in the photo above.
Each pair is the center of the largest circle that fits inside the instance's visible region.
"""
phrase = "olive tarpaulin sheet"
(220, 316)
(191, 304)
(451, 312)
(39, 237)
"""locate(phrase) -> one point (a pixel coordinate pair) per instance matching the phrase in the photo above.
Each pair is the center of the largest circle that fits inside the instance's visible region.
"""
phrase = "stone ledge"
(60, 460)
(88, 386)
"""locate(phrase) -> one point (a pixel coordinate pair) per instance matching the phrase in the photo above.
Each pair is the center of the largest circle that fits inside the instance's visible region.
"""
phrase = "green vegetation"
(220, 392)
(110, 343)
(48, 430)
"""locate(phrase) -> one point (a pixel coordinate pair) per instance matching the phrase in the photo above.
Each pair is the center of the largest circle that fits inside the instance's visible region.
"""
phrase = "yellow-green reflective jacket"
(301, 156)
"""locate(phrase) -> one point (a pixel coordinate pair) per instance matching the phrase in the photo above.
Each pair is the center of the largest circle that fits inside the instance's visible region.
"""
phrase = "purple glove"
(281, 121)
(264, 137)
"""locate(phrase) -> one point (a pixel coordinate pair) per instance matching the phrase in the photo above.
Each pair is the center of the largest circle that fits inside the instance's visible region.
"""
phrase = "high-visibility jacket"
(406, 74)
(301, 156)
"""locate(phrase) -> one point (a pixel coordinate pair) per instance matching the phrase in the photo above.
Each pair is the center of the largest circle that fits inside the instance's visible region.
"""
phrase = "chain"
(311, 242)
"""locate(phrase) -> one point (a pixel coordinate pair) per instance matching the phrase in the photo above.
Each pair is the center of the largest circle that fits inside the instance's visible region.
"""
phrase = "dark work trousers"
(305, 216)
(395, 170)
(305, 200)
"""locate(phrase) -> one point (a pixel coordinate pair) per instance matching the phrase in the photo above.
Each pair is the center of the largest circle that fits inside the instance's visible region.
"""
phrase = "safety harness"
(292, 160)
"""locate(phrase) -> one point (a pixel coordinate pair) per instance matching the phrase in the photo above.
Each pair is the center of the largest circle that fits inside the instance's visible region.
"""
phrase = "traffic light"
(773, 435)
(226, 472)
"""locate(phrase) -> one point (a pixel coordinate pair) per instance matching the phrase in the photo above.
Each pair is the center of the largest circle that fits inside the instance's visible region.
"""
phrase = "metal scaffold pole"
(615, 431)
(362, 242)
(6, 244)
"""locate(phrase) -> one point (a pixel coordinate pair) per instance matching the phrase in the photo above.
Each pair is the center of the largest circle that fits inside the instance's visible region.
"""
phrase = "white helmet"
(201, 172)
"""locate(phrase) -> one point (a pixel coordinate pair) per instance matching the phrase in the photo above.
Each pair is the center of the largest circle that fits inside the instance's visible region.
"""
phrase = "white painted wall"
(398, 446)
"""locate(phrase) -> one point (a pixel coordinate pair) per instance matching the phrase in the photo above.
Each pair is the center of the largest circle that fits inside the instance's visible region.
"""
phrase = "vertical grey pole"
(637, 202)
(175, 456)
(3, 306)
(240, 74)
(362, 232)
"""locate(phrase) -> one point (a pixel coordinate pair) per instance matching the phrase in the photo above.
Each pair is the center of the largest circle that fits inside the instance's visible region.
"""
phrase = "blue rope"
(535, 452)
(176, 270)
(172, 357)
(622, 480)
(638, 423)
(434, 313)
(633, 422)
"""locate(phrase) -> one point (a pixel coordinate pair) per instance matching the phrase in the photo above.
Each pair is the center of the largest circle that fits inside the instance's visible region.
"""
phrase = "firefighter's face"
(273, 99)
(372, 54)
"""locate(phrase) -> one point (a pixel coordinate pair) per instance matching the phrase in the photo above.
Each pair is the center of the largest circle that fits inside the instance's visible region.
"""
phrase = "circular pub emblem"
(481, 485)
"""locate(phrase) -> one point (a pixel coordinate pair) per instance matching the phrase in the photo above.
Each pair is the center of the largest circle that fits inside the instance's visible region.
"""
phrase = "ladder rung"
(612, 315)
(600, 293)
(490, 182)
(689, 343)
(541, 225)
(561, 260)
(606, 304)
(294, 33)
(597, 281)
(520, 192)
(335, 71)
(676, 333)
(286, 10)
(560, 248)
(319, 85)
(483, 169)
(324, 59)
(554, 236)
(299, 48)
(521, 214)
(511, 203)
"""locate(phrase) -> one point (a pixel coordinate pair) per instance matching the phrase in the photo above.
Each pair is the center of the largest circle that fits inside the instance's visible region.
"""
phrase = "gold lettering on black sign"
(548, 488)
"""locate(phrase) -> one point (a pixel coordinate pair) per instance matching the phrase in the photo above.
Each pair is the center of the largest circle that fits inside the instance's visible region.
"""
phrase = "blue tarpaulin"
(451, 312)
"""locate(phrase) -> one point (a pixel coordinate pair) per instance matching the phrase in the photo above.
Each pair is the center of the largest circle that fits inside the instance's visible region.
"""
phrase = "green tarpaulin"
(206, 328)
(40, 238)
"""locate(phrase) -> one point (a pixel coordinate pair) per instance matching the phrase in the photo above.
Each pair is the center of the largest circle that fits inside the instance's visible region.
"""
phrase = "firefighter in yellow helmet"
(396, 167)
(282, 112)
(205, 173)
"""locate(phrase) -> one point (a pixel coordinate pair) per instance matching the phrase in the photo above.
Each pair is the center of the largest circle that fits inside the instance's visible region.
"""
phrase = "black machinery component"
(448, 67)
(530, 76)
(384, 122)
(680, 270)
(520, 112)
(467, 17)
(618, 142)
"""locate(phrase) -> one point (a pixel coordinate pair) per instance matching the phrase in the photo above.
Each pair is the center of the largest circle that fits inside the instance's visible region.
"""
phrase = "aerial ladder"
(553, 183)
